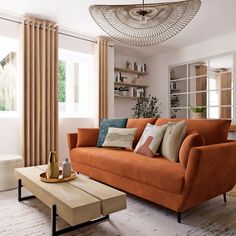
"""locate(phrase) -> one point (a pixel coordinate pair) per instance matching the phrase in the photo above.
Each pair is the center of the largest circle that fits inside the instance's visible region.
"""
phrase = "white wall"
(70, 125)
(159, 64)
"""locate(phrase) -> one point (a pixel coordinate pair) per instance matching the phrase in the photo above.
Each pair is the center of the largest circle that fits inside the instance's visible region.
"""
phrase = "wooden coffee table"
(80, 202)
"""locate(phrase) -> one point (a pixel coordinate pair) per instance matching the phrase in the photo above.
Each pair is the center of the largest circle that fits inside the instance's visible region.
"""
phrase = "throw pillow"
(173, 137)
(120, 137)
(104, 126)
(140, 124)
(150, 140)
(192, 140)
(87, 137)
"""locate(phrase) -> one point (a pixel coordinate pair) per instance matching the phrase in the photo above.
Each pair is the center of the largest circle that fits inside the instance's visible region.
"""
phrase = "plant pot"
(198, 115)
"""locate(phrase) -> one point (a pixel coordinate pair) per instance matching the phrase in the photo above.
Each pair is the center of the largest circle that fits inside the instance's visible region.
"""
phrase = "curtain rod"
(68, 35)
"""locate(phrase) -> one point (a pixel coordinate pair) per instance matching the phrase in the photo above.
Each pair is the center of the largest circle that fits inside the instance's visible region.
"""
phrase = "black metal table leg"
(71, 228)
(54, 220)
(20, 198)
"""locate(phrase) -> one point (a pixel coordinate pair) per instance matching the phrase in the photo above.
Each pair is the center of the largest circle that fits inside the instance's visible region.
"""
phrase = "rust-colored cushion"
(192, 140)
(87, 137)
(140, 124)
(157, 172)
(213, 130)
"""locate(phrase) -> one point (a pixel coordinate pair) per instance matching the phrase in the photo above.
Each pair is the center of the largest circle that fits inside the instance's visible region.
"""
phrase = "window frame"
(81, 58)
(14, 114)
(207, 91)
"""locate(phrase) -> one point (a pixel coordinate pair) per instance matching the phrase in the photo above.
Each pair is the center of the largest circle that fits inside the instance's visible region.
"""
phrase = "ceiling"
(215, 18)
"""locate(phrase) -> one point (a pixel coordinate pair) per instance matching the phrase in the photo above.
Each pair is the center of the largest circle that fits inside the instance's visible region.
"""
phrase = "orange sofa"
(206, 172)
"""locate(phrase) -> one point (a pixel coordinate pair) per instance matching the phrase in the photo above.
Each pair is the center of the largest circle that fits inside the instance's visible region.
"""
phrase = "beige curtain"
(40, 89)
(103, 78)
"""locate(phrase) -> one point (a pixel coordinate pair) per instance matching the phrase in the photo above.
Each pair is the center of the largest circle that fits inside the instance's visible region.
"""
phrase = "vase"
(198, 115)
(53, 166)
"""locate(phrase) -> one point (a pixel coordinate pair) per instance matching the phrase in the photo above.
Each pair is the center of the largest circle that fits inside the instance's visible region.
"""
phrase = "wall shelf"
(131, 85)
(127, 97)
(130, 71)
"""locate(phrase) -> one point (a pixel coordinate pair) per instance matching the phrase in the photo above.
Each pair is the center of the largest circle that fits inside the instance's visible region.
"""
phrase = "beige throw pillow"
(173, 137)
(120, 137)
(150, 140)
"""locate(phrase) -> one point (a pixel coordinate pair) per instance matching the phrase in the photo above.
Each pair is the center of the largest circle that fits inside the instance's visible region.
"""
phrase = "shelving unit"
(130, 84)
(127, 97)
(130, 71)
(134, 88)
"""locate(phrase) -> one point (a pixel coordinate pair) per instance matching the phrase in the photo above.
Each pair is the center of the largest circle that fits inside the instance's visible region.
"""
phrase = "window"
(206, 83)
(75, 83)
(8, 76)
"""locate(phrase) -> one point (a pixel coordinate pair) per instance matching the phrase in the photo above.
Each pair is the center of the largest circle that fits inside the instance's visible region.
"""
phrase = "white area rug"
(141, 218)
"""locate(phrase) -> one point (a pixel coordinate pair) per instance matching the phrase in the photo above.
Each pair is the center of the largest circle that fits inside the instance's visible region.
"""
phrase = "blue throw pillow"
(104, 126)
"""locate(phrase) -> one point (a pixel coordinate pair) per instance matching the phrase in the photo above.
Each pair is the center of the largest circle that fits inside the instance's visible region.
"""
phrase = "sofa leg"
(224, 196)
(179, 217)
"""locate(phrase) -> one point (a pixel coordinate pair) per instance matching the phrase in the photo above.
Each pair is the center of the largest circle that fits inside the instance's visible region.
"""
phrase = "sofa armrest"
(211, 171)
(85, 137)
(71, 140)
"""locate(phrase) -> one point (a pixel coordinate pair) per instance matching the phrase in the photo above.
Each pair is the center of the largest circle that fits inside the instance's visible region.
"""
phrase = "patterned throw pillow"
(120, 137)
(104, 126)
(173, 137)
(150, 140)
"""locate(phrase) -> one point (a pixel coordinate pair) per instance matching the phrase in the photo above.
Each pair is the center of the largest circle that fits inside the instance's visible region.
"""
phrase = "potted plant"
(198, 112)
(146, 107)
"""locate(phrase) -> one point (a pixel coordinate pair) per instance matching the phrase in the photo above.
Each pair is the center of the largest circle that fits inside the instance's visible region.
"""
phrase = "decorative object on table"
(66, 168)
(198, 112)
(146, 107)
(144, 24)
(53, 166)
(44, 178)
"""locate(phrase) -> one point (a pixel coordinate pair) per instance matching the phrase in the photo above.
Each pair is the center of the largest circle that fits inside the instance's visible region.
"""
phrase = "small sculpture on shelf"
(127, 65)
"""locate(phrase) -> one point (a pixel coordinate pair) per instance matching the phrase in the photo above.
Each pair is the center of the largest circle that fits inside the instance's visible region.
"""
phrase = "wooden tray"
(43, 177)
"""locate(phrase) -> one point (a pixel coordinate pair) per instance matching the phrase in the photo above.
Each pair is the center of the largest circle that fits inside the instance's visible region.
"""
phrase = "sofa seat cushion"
(157, 172)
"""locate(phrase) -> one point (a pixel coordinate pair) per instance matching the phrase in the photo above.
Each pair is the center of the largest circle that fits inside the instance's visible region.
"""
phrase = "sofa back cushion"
(213, 131)
(140, 124)
(192, 140)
